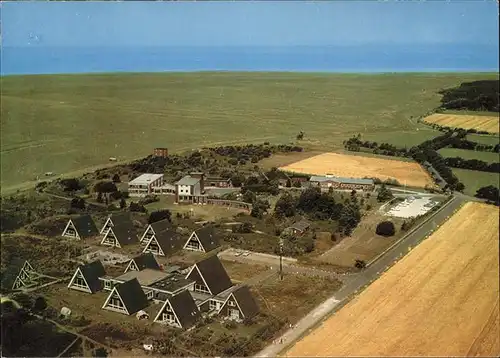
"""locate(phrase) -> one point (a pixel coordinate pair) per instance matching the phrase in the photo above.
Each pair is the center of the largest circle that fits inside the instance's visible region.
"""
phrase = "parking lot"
(412, 206)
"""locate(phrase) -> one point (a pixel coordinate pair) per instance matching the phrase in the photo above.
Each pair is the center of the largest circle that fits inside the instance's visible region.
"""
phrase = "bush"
(244, 228)
(360, 264)
(136, 207)
(116, 178)
(77, 203)
(385, 228)
(105, 187)
(72, 184)
(159, 215)
(384, 194)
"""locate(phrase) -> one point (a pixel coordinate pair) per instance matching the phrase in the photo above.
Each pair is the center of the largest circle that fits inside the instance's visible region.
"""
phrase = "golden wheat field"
(439, 300)
(480, 123)
(356, 166)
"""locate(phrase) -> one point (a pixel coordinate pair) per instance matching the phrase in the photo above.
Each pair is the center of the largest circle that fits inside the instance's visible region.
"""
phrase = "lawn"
(488, 157)
(474, 180)
(71, 123)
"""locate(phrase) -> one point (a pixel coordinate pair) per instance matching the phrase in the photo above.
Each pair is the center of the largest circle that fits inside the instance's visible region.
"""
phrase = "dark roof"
(145, 261)
(169, 241)
(161, 225)
(125, 233)
(10, 273)
(185, 308)
(172, 283)
(91, 272)
(121, 219)
(132, 295)
(246, 301)
(85, 226)
(301, 225)
(207, 237)
(215, 274)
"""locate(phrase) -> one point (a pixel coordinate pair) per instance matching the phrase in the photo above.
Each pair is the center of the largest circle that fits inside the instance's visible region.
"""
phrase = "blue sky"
(89, 24)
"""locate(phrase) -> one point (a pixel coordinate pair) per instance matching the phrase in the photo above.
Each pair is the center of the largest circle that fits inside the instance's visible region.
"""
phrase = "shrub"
(385, 228)
(244, 228)
(105, 187)
(360, 264)
(116, 178)
(72, 184)
(159, 215)
(136, 207)
(77, 203)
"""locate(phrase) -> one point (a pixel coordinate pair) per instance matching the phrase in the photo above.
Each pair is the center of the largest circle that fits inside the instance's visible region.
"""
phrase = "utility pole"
(281, 258)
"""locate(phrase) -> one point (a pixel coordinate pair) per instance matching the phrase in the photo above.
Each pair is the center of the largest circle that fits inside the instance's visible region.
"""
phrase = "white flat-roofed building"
(144, 184)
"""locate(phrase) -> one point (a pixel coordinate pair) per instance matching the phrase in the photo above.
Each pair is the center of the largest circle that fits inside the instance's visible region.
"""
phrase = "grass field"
(357, 166)
(484, 139)
(474, 180)
(440, 300)
(479, 122)
(488, 157)
(68, 123)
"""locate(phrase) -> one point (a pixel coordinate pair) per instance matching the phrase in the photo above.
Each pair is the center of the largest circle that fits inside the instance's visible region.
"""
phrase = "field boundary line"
(411, 232)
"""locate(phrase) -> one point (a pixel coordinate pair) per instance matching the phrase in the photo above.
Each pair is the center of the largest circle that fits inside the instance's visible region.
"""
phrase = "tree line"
(474, 96)
(472, 164)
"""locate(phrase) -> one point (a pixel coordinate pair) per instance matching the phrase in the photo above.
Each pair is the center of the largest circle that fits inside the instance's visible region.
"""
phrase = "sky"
(247, 24)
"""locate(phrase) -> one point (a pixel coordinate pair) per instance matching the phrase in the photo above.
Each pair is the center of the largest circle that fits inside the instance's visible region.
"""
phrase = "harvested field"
(480, 123)
(440, 300)
(357, 166)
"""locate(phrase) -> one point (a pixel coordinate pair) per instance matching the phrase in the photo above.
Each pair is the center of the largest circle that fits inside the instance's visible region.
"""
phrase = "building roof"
(146, 261)
(161, 225)
(85, 226)
(172, 283)
(301, 225)
(185, 308)
(169, 241)
(145, 179)
(325, 178)
(91, 272)
(146, 277)
(188, 180)
(214, 274)
(207, 237)
(124, 229)
(12, 270)
(246, 302)
(132, 295)
(218, 179)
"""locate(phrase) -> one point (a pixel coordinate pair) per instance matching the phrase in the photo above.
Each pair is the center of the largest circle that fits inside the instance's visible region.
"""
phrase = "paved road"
(355, 282)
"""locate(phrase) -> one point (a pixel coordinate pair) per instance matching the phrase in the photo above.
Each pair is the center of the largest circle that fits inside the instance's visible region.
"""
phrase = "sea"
(353, 59)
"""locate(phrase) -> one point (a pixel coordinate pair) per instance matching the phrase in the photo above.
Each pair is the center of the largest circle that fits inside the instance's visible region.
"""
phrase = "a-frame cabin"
(179, 311)
(203, 239)
(25, 276)
(141, 262)
(239, 305)
(163, 244)
(155, 229)
(210, 276)
(86, 277)
(127, 298)
(119, 231)
(80, 228)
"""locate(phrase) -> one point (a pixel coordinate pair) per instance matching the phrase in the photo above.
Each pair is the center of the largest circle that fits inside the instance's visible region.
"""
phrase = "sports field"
(357, 166)
(481, 123)
(66, 123)
(439, 300)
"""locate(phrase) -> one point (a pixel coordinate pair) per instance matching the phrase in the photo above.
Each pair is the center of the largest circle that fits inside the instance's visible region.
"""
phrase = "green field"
(474, 180)
(484, 139)
(69, 123)
(488, 157)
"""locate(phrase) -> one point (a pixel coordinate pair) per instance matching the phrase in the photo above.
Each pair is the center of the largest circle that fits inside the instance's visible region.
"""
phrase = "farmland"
(483, 139)
(488, 157)
(474, 180)
(49, 121)
(356, 166)
(481, 123)
(439, 300)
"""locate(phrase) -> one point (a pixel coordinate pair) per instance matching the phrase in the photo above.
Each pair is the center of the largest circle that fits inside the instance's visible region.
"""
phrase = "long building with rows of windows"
(183, 297)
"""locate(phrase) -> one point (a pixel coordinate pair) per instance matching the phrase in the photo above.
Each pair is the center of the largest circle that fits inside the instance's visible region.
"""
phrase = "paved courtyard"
(413, 206)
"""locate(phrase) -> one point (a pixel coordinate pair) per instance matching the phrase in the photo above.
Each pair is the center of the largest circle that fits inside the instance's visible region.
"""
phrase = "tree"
(77, 203)
(123, 203)
(100, 352)
(489, 193)
(286, 205)
(244, 228)
(259, 208)
(105, 187)
(350, 217)
(384, 194)
(385, 228)
(300, 136)
(40, 304)
(288, 183)
(137, 207)
(159, 215)
(249, 197)
(99, 197)
(360, 264)
(70, 184)
(116, 178)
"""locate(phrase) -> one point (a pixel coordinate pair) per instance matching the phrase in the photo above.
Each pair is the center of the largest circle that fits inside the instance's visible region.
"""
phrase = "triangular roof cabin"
(18, 274)
(80, 227)
(155, 229)
(119, 231)
(210, 276)
(179, 311)
(143, 261)
(127, 298)
(240, 304)
(203, 239)
(165, 243)
(86, 277)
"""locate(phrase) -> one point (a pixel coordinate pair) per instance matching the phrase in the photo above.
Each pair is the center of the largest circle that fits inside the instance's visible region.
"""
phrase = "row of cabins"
(159, 238)
(183, 298)
(189, 189)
